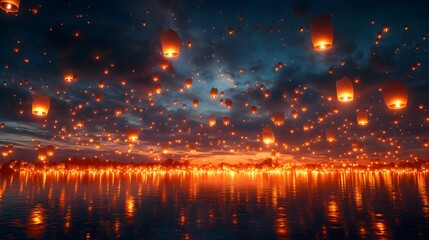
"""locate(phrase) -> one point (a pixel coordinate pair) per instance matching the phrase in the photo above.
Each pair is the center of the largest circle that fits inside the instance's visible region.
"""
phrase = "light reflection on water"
(297, 205)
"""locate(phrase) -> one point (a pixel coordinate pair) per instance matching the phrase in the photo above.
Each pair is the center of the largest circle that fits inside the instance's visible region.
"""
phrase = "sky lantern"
(133, 135)
(226, 121)
(170, 43)
(68, 75)
(253, 109)
(158, 88)
(212, 121)
(10, 6)
(268, 135)
(192, 149)
(322, 34)
(330, 135)
(345, 90)
(50, 150)
(213, 93)
(5, 151)
(228, 103)
(195, 103)
(362, 118)
(165, 149)
(294, 113)
(278, 118)
(395, 95)
(188, 83)
(41, 105)
(42, 154)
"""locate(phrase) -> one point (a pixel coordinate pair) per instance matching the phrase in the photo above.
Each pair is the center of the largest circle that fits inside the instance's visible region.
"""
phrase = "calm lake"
(289, 205)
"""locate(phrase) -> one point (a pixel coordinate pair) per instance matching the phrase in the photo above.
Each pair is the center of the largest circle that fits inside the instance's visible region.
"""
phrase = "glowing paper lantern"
(213, 93)
(41, 105)
(192, 149)
(158, 88)
(212, 121)
(362, 118)
(228, 103)
(345, 90)
(50, 150)
(188, 82)
(170, 43)
(68, 75)
(278, 118)
(10, 6)
(165, 149)
(226, 121)
(330, 135)
(133, 135)
(395, 95)
(42, 154)
(5, 151)
(195, 103)
(322, 34)
(268, 135)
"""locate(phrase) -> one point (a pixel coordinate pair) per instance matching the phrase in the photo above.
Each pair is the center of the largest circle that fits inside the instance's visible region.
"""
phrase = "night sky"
(118, 43)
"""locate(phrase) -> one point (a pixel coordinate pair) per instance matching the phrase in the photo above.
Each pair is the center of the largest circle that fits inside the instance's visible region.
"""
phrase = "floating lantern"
(5, 151)
(170, 43)
(330, 135)
(165, 149)
(41, 105)
(322, 34)
(213, 93)
(278, 118)
(268, 135)
(10, 6)
(192, 149)
(158, 88)
(42, 154)
(228, 103)
(188, 83)
(344, 89)
(68, 75)
(362, 118)
(50, 150)
(133, 135)
(195, 103)
(212, 121)
(226, 121)
(253, 109)
(395, 95)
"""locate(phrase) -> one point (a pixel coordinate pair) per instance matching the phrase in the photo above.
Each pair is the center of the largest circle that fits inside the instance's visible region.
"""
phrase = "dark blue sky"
(71, 34)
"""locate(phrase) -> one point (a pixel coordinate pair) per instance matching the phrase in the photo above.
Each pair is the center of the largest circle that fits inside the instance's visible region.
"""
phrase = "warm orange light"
(213, 93)
(322, 34)
(68, 75)
(362, 118)
(330, 135)
(278, 118)
(170, 43)
(395, 95)
(268, 135)
(133, 135)
(226, 121)
(345, 90)
(50, 150)
(41, 105)
(212, 121)
(42, 154)
(10, 6)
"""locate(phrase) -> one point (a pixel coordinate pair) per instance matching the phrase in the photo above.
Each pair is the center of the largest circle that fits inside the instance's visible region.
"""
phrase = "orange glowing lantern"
(158, 88)
(213, 93)
(50, 150)
(226, 121)
(268, 135)
(278, 118)
(165, 149)
(330, 135)
(68, 75)
(42, 154)
(10, 6)
(188, 82)
(395, 95)
(41, 105)
(133, 135)
(322, 34)
(192, 149)
(5, 151)
(345, 90)
(253, 109)
(362, 118)
(170, 43)
(212, 121)
(228, 103)
(195, 103)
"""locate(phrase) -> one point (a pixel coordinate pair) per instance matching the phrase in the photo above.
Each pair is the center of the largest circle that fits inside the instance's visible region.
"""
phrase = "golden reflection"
(36, 222)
